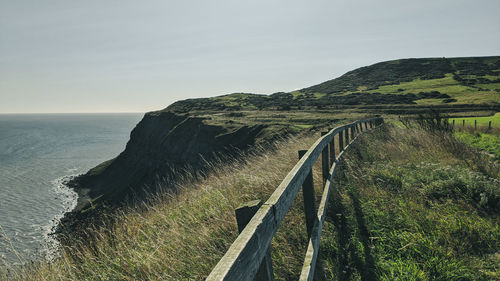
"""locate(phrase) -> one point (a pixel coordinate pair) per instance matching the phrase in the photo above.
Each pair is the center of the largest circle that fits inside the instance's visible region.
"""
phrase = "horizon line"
(103, 112)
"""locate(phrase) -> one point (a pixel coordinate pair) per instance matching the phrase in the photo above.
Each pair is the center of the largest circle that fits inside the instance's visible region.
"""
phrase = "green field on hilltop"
(448, 86)
(420, 81)
(481, 121)
(417, 82)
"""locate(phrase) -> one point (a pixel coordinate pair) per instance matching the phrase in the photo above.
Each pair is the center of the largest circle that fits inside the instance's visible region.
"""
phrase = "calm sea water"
(37, 151)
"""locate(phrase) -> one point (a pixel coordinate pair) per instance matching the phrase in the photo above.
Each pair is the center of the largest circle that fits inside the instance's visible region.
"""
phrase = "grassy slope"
(414, 206)
(435, 81)
(411, 212)
(467, 80)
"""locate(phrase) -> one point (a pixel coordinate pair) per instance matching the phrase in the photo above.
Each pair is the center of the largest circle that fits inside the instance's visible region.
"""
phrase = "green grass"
(466, 80)
(447, 85)
(487, 142)
(418, 85)
(412, 205)
(481, 121)
(303, 126)
(99, 168)
(490, 86)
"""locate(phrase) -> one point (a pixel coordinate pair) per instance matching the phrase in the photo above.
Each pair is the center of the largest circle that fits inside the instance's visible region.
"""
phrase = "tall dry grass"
(182, 235)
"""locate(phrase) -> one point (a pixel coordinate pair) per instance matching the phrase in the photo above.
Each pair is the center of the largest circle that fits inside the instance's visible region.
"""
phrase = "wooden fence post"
(244, 214)
(346, 131)
(309, 199)
(341, 141)
(324, 161)
(332, 151)
(475, 124)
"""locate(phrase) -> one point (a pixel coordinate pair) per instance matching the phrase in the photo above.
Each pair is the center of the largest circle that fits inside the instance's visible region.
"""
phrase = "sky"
(62, 56)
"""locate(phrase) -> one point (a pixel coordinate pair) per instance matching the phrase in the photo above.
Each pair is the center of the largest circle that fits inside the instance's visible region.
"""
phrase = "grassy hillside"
(421, 81)
(411, 205)
(414, 205)
(433, 81)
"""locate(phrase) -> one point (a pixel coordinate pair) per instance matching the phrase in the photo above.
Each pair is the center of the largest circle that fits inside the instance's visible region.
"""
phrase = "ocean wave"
(68, 198)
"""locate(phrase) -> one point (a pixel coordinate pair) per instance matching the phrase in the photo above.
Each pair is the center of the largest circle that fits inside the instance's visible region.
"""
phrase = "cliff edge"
(161, 146)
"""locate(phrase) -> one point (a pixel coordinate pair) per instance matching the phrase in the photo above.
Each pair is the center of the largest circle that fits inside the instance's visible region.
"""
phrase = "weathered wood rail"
(245, 256)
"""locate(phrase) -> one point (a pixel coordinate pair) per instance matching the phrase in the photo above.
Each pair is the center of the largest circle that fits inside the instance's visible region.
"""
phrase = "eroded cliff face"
(161, 146)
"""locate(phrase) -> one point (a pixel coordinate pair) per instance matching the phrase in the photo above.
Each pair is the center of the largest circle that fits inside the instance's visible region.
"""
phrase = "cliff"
(161, 146)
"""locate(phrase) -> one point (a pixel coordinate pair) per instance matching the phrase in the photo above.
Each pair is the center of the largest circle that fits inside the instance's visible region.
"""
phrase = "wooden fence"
(475, 124)
(249, 253)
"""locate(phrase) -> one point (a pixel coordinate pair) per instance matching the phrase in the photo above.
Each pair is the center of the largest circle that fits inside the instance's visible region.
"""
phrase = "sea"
(38, 152)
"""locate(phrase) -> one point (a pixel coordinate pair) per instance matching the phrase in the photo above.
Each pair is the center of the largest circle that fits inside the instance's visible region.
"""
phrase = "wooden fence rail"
(244, 258)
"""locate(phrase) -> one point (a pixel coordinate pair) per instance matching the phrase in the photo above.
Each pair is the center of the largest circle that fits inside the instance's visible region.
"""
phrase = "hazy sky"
(120, 55)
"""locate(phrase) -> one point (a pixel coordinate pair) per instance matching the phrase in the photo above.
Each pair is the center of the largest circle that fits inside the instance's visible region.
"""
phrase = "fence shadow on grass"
(350, 227)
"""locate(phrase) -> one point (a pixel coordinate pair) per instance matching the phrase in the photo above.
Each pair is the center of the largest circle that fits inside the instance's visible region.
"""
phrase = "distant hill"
(426, 81)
